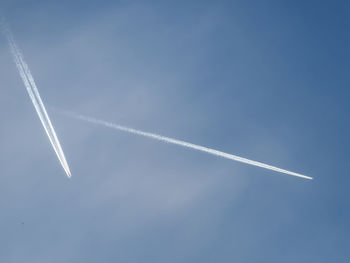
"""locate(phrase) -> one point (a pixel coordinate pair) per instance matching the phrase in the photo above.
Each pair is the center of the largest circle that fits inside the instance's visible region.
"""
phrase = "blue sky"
(266, 81)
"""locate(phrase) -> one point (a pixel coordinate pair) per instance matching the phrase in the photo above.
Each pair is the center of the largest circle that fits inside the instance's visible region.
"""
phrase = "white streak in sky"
(183, 143)
(34, 95)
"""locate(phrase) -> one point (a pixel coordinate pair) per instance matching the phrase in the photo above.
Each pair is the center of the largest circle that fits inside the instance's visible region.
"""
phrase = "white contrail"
(183, 143)
(34, 95)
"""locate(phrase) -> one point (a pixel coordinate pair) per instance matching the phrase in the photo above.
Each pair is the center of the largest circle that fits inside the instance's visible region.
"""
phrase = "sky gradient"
(266, 81)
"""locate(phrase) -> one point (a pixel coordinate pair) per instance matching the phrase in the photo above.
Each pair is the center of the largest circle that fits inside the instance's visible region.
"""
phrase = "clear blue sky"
(266, 80)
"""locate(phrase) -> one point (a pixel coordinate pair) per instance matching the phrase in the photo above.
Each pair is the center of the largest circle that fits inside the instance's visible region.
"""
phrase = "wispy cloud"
(35, 97)
(183, 144)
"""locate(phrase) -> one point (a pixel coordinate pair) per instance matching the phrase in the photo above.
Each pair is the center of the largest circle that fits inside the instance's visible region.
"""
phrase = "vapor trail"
(34, 95)
(182, 143)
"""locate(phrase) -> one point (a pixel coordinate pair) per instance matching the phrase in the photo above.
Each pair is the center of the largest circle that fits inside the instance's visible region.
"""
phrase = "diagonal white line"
(34, 95)
(183, 144)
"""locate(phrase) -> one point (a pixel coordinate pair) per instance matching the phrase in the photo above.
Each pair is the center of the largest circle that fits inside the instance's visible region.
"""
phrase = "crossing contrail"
(182, 143)
(34, 95)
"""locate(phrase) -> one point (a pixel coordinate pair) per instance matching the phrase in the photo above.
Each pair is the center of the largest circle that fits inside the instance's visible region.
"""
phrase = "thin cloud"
(183, 144)
(35, 97)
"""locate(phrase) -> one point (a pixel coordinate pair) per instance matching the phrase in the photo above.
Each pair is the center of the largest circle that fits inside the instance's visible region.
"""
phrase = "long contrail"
(182, 143)
(34, 95)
